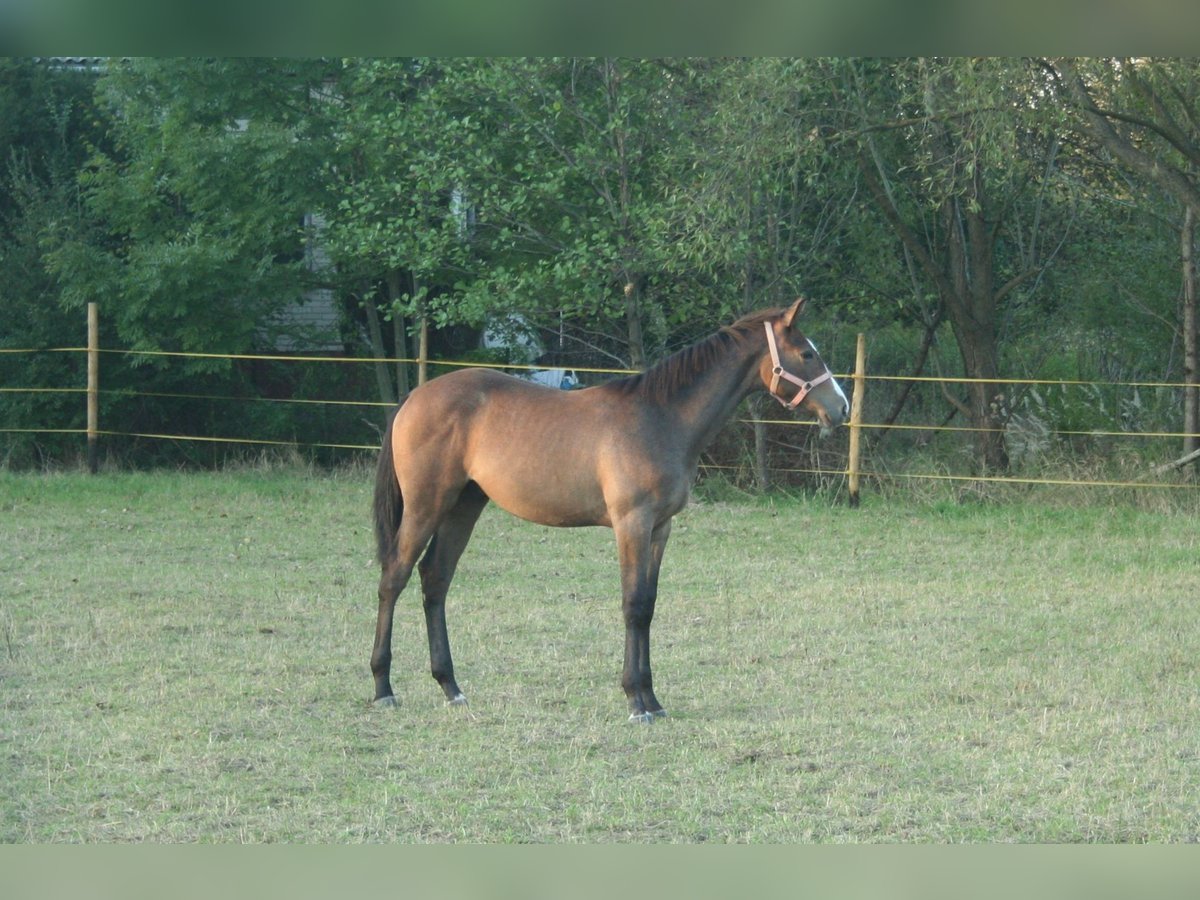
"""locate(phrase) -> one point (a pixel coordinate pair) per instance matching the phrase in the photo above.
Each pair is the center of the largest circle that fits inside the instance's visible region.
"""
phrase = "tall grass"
(184, 658)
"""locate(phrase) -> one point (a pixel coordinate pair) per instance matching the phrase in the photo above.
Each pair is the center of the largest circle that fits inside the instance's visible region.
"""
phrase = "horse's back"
(469, 398)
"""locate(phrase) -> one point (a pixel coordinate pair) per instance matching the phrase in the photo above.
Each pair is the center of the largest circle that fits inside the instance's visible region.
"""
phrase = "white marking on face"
(837, 387)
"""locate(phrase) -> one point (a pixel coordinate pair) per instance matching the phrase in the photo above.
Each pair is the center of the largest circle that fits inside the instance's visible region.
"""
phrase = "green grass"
(184, 658)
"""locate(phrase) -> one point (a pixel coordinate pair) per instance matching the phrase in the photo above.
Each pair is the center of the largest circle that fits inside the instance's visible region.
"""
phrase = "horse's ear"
(794, 310)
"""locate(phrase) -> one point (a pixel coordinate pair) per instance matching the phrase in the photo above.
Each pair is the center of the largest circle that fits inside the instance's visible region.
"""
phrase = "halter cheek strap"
(779, 372)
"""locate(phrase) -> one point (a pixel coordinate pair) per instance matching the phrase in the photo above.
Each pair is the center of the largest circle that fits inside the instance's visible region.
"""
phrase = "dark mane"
(667, 378)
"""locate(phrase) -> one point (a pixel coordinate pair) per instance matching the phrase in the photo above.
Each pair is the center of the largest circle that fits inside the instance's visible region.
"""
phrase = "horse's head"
(794, 373)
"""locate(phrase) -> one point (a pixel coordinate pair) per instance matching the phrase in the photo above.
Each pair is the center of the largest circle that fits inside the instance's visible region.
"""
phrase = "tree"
(754, 218)
(468, 190)
(202, 200)
(571, 199)
(405, 148)
(1146, 113)
(957, 168)
(49, 125)
(195, 237)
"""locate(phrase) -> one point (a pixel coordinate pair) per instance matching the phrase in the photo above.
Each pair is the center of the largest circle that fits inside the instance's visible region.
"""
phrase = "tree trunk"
(988, 404)
(762, 470)
(962, 272)
(1191, 377)
(423, 350)
(383, 379)
(399, 335)
(422, 329)
(972, 312)
(400, 340)
(633, 321)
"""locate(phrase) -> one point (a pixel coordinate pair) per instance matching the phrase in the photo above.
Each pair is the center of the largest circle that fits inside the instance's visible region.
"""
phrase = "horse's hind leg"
(437, 570)
(413, 534)
(395, 576)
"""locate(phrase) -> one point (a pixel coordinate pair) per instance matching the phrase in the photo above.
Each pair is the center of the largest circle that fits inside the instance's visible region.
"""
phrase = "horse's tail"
(389, 504)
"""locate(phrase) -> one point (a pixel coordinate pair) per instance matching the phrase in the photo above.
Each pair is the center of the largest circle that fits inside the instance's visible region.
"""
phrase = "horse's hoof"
(381, 702)
(642, 718)
(459, 700)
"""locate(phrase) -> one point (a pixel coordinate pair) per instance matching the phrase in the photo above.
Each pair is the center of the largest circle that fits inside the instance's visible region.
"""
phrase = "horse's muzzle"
(833, 413)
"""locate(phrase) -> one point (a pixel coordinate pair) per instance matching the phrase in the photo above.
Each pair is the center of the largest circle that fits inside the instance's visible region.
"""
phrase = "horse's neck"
(715, 393)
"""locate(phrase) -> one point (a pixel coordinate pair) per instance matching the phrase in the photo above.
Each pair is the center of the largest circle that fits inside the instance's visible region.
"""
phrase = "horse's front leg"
(640, 550)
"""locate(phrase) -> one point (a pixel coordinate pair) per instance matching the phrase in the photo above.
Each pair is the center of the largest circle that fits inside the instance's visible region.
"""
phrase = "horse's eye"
(806, 355)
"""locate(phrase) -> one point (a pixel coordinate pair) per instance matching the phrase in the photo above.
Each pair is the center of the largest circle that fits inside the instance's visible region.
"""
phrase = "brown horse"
(622, 454)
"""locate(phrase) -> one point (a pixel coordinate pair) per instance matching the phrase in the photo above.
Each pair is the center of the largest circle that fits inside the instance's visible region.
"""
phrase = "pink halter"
(778, 372)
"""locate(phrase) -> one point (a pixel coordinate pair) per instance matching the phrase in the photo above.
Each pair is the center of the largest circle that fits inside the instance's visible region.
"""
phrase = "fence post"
(93, 388)
(860, 383)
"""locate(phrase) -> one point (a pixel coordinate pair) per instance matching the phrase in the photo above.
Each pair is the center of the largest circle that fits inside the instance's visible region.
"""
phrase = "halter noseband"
(778, 372)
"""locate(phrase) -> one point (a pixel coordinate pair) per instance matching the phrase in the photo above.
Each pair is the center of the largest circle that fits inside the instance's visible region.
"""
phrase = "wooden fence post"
(93, 388)
(860, 384)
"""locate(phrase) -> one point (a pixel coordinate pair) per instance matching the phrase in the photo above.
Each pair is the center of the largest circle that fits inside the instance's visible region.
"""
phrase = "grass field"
(184, 658)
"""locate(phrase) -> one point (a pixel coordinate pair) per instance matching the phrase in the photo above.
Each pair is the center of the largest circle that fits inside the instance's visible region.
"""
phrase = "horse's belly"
(546, 502)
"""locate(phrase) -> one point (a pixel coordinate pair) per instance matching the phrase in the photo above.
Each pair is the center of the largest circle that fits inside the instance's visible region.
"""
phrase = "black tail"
(389, 504)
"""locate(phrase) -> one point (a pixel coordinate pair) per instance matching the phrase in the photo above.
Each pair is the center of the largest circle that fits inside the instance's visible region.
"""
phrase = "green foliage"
(397, 193)
(571, 196)
(183, 221)
(201, 201)
(623, 207)
(748, 200)
(48, 127)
